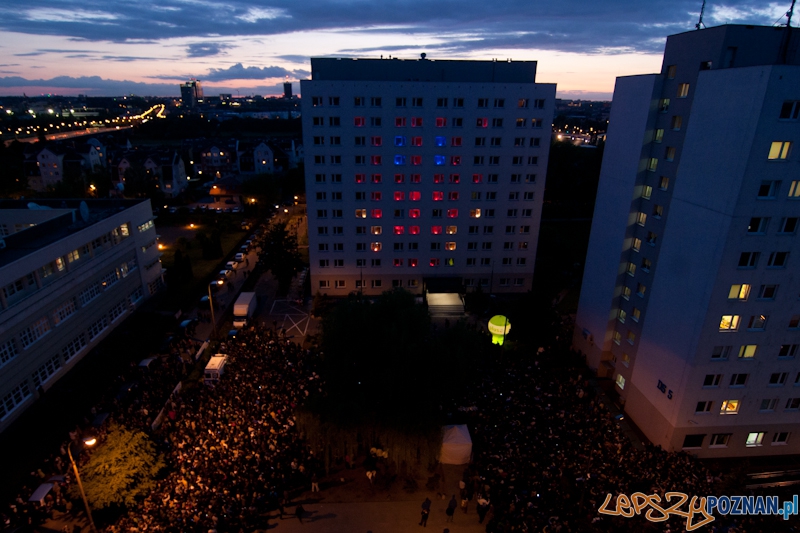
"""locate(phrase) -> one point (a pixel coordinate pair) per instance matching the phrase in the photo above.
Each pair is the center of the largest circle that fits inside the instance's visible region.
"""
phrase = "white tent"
(456, 445)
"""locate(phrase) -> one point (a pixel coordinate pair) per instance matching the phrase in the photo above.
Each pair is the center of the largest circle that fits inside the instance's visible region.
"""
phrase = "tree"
(121, 469)
(280, 255)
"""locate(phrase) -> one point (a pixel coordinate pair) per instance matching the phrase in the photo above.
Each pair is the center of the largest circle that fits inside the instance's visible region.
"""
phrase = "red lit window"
(436, 230)
(456, 141)
(416, 122)
(413, 230)
(454, 160)
(399, 196)
(441, 122)
(361, 178)
(400, 122)
(377, 141)
(412, 262)
(377, 213)
(477, 178)
(376, 178)
(399, 230)
(416, 178)
(376, 246)
(376, 160)
(399, 178)
(415, 196)
(434, 262)
(376, 196)
(416, 141)
(359, 122)
(452, 195)
(452, 213)
(438, 178)
(413, 213)
(483, 123)
(455, 178)
(416, 159)
(438, 196)
(398, 262)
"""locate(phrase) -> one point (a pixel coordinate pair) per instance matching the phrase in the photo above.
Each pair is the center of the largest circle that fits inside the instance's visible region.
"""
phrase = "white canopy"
(456, 445)
(39, 494)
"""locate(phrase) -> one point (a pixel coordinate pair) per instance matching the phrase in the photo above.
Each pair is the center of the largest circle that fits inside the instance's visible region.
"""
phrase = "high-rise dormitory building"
(691, 295)
(70, 274)
(419, 169)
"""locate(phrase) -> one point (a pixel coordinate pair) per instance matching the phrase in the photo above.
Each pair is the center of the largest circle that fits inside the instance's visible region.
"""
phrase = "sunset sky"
(146, 47)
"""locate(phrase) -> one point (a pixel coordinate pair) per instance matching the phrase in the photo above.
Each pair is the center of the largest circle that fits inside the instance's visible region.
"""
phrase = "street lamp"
(211, 303)
(89, 441)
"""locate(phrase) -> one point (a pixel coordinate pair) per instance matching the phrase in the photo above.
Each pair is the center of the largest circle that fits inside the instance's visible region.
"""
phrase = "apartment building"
(70, 274)
(690, 299)
(420, 170)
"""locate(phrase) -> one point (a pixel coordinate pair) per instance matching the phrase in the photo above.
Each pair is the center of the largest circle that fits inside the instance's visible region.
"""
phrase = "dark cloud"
(203, 49)
(294, 58)
(460, 25)
(240, 72)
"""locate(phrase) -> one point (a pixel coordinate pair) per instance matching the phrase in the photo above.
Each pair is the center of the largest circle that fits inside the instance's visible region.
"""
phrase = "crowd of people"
(233, 449)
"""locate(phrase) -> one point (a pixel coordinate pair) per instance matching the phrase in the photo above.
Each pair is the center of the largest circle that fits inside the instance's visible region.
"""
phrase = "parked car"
(225, 275)
(236, 210)
(232, 265)
(239, 257)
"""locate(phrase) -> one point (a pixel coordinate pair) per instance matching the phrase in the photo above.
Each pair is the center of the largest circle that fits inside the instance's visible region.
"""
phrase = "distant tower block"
(287, 90)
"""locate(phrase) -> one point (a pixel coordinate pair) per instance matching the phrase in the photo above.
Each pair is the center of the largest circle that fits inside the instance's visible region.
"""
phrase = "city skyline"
(253, 47)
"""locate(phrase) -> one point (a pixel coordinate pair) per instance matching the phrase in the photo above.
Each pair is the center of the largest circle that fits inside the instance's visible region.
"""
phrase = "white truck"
(214, 369)
(243, 309)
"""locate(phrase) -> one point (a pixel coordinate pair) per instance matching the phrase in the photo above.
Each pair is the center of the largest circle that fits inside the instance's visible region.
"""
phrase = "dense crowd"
(233, 452)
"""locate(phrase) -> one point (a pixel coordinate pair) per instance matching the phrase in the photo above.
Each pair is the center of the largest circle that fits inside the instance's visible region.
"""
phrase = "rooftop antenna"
(788, 36)
(700, 22)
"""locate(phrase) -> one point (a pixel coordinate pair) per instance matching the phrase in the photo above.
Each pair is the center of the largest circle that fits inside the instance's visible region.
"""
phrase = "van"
(214, 369)
(239, 257)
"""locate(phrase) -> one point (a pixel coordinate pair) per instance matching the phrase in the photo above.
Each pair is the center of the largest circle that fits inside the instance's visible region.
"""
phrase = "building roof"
(354, 69)
(54, 220)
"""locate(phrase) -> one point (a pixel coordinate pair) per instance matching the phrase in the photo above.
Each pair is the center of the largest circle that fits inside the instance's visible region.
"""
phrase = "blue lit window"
(401, 160)
(399, 141)
(439, 159)
(441, 141)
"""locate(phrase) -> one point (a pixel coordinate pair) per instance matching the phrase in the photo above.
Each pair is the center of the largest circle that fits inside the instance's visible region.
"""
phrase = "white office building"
(690, 296)
(423, 172)
(70, 274)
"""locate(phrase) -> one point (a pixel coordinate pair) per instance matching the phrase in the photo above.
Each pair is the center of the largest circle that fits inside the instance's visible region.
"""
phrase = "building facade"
(424, 169)
(68, 278)
(191, 94)
(690, 294)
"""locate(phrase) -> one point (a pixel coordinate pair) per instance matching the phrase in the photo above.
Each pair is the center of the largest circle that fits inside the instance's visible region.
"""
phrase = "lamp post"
(211, 304)
(86, 442)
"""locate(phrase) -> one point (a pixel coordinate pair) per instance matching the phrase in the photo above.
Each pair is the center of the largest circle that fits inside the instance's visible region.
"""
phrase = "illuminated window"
(475, 213)
(455, 160)
(413, 230)
(359, 122)
(416, 122)
(377, 213)
(399, 196)
(399, 140)
(451, 230)
(477, 178)
(412, 262)
(729, 323)
(361, 213)
(416, 159)
(439, 160)
(779, 150)
(438, 196)
(400, 122)
(455, 178)
(436, 230)
(375, 246)
(376, 160)
(399, 230)
(376, 196)
(361, 178)
(739, 292)
(452, 213)
(434, 262)
(747, 351)
(376, 230)
(754, 439)
(414, 196)
(399, 178)
(440, 141)
(438, 178)
(377, 141)
(482, 123)
(413, 213)
(398, 262)
(416, 141)
(620, 381)
(376, 178)
(399, 160)
(729, 407)
(415, 178)
(652, 164)
(683, 90)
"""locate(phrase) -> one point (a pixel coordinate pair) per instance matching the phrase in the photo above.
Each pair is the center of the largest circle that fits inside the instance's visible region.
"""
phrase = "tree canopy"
(280, 255)
(121, 469)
